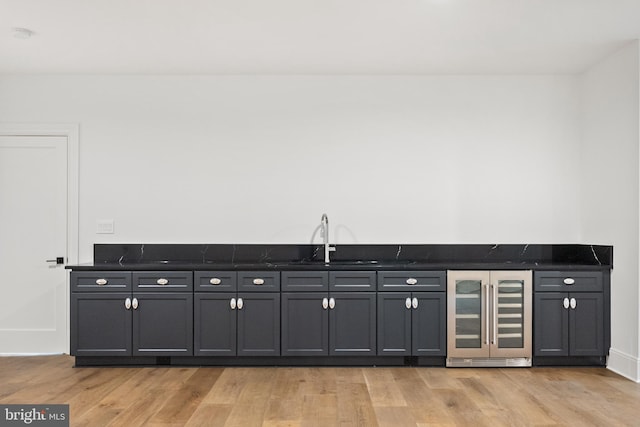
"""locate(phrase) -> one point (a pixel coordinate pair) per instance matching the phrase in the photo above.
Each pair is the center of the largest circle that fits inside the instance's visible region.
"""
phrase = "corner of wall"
(624, 364)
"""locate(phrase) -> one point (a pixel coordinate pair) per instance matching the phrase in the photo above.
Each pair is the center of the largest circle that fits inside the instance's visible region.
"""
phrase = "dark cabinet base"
(570, 361)
(84, 361)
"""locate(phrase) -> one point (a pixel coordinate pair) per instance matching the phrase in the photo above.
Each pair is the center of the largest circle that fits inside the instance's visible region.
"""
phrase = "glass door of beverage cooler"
(489, 314)
(511, 298)
(468, 325)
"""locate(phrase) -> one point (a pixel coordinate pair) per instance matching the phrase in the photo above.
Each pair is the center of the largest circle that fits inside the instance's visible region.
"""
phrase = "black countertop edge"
(361, 266)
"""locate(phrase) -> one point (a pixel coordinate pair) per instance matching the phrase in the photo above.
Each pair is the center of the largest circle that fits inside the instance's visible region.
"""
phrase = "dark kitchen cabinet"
(569, 324)
(412, 323)
(245, 323)
(215, 324)
(572, 323)
(163, 324)
(125, 314)
(328, 322)
(101, 325)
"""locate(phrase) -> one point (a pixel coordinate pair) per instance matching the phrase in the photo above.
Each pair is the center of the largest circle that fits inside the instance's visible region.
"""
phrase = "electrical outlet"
(104, 226)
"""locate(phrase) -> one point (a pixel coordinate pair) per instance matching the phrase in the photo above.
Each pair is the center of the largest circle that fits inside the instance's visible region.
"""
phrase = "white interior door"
(33, 229)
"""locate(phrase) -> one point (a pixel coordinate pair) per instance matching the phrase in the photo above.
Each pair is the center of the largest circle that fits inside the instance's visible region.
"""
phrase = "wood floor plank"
(209, 414)
(382, 388)
(187, 397)
(318, 396)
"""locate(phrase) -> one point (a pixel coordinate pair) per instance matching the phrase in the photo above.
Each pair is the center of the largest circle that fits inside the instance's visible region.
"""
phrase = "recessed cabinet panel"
(258, 281)
(429, 331)
(259, 324)
(586, 324)
(350, 281)
(163, 281)
(100, 324)
(394, 324)
(215, 324)
(412, 281)
(551, 334)
(305, 324)
(352, 324)
(100, 281)
(163, 324)
(305, 281)
(216, 281)
(568, 281)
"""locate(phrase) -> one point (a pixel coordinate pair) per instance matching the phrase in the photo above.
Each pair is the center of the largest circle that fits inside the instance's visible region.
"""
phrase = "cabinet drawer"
(412, 281)
(171, 281)
(215, 281)
(100, 281)
(305, 281)
(568, 281)
(349, 281)
(258, 281)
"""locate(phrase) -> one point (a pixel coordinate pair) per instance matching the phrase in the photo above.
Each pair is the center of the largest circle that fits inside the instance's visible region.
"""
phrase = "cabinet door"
(163, 324)
(511, 314)
(215, 324)
(100, 324)
(467, 313)
(428, 322)
(352, 323)
(551, 329)
(305, 324)
(586, 324)
(394, 324)
(258, 324)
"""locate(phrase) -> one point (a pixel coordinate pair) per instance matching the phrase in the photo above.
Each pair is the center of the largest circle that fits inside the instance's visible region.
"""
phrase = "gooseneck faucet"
(325, 237)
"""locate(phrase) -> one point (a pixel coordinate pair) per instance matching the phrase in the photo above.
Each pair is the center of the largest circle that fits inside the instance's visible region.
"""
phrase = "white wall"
(610, 189)
(436, 159)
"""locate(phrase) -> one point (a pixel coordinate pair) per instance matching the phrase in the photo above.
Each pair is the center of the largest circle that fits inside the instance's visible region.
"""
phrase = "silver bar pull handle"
(494, 315)
(486, 317)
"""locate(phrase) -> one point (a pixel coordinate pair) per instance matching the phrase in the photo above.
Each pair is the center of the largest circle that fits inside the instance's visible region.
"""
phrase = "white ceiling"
(313, 36)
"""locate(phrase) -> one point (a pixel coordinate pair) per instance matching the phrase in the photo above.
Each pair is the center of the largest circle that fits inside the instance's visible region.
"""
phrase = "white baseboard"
(28, 354)
(624, 364)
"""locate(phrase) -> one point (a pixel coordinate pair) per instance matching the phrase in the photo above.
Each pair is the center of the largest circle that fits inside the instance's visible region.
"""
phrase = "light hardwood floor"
(213, 396)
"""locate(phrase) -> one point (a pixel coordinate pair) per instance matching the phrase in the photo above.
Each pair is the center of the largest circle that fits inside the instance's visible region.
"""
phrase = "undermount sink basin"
(352, 262)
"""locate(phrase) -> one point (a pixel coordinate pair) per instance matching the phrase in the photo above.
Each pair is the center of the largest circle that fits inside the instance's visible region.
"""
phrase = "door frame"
(72, 132)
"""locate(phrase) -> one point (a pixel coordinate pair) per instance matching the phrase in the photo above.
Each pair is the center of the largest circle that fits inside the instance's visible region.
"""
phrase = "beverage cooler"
(489, 318)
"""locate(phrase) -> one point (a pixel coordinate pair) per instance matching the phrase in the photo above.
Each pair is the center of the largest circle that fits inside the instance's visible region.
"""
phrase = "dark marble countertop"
(315, 266)
(348, 257)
